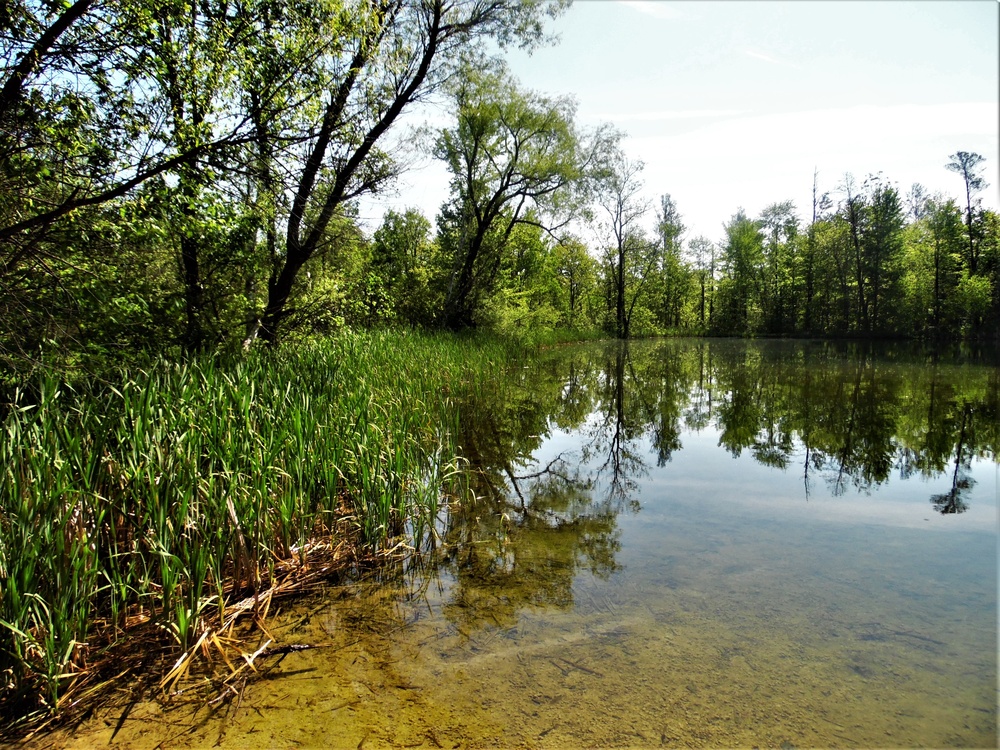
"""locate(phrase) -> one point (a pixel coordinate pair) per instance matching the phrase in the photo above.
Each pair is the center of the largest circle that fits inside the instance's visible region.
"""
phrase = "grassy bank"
(161, 499)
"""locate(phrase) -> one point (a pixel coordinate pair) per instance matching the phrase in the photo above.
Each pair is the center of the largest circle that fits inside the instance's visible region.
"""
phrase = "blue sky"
(733, 104)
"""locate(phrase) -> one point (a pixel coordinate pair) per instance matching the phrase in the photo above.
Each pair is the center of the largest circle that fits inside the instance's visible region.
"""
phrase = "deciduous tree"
(702, 251)
(391, 54)
(743, 256)
(619, 194)
(515, 157)
(968, 165)
(674, 272)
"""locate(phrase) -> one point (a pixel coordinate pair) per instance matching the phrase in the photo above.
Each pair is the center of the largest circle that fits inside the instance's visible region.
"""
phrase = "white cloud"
(771, 59)
(760, 56)
(685, 114)
(659, 10)
(757, 160)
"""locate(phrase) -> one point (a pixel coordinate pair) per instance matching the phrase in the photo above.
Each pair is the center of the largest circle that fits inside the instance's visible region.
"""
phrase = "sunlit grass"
(182, 485)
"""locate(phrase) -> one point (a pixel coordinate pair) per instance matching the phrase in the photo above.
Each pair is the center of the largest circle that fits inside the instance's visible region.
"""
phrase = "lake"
(670, 543)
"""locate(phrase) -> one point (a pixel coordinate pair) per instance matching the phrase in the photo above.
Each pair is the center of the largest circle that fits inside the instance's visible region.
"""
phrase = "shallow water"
(671, 544)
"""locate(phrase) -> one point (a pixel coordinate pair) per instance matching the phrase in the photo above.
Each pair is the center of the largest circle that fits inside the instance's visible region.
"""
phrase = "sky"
(734, 104)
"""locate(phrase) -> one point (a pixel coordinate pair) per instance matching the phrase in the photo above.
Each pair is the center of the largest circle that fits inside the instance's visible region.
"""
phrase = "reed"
(177, 490)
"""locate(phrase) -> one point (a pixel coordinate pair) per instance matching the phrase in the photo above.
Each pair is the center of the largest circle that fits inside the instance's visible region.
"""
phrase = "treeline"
(178, 177)
(870, 263)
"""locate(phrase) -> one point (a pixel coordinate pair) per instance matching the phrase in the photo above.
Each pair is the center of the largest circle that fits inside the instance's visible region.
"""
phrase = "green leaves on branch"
(516, 158)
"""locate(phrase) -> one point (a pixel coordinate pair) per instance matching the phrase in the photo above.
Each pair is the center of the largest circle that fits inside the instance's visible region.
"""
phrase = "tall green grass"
(182, 484)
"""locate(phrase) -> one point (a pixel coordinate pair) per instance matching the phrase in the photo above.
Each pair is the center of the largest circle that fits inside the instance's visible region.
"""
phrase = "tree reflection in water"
(961, 482)
(851, 414)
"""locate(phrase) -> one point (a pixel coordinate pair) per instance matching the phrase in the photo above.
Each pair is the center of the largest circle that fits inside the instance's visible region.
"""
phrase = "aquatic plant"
(176, 491)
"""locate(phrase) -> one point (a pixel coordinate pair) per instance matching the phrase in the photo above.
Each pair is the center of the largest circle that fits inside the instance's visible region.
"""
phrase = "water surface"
(673, 543)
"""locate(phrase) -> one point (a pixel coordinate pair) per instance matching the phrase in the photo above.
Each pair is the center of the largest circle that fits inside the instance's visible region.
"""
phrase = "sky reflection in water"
(637, 562)
(785, 497)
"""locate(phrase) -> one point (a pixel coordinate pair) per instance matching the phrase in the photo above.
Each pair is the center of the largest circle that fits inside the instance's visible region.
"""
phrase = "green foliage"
(176, 489)
(576, 274)
(933, 246)
(879, 264)
(409, 268)
(857, 271)
(629, 256)
(674, 276)
(258, 122)
(515, 157)
(182, 177)
(387, 57)
(973, 296)
(739, 306)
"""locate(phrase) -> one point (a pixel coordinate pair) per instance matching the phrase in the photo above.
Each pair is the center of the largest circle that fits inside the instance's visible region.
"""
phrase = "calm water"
(678, 543)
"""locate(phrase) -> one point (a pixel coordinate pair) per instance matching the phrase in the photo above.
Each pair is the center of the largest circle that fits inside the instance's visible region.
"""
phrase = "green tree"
(407, 263)
(628, 256)
(990, 223)
(66, 151)
(526, 296)
(515, 157)
(195, 48)
(853, 213)
(820, 206)
(577, 272)
(780, 226)
(874, 216)
(882, 243)
(84, 119)
(834, 303)
(944, 225)
(743, 261)
(76, 128)
(673, 272)
(968, 165)
(384, 56)
(702, 251)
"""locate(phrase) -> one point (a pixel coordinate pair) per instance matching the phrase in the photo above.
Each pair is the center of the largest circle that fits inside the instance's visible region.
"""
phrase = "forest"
(185, 177)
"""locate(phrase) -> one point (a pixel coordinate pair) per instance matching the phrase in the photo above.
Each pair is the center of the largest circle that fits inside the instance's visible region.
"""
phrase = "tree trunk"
(621, 321)
(194, 295)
